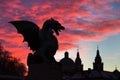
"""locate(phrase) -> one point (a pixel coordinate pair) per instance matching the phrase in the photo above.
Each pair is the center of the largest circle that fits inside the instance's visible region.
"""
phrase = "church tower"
(98, 65)
(78, 62)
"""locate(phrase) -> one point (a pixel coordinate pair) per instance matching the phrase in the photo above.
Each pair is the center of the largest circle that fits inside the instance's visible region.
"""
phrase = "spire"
(116, 67)
(77, 50)
(98, 65)
(78, 60)
(116, 70)
(97, 47)
(98, 53)
(78, 56)
(98, 57)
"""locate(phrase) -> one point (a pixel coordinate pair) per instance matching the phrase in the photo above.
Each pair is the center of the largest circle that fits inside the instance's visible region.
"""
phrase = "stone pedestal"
(44, 71)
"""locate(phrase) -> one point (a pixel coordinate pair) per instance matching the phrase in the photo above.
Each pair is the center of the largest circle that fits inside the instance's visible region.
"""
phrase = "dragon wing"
(30, 32)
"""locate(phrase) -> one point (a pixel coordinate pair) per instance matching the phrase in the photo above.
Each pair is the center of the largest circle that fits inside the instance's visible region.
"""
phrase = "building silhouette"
(71, 70)
(98, 65)
(78, 63)
(74, 70)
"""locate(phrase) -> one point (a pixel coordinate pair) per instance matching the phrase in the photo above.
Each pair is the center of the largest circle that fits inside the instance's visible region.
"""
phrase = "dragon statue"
(42, 42)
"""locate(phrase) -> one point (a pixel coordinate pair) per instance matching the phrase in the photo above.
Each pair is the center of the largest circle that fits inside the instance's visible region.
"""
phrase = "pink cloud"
(83, 19)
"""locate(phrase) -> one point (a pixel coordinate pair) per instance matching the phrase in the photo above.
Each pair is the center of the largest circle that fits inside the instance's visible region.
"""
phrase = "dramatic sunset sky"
(88, 23)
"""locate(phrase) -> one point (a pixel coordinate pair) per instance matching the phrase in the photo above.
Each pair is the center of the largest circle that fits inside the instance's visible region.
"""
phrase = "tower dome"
(66, 60)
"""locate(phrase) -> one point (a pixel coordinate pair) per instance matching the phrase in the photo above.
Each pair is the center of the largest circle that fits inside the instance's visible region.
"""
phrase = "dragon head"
(56, 26)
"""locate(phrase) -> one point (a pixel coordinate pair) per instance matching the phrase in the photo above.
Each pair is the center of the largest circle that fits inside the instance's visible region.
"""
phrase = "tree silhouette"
(10, 65)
